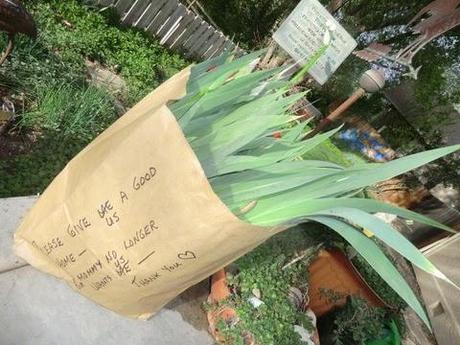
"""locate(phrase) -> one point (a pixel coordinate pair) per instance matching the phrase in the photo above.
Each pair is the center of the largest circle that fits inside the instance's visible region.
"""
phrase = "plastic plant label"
(306, 30)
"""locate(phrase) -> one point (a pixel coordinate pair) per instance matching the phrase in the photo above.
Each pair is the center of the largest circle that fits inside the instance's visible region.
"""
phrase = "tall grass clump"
(70, 111)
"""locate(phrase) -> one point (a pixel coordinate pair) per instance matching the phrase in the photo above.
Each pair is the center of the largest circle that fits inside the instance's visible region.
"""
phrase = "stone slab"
(12, 210)
(37, 309)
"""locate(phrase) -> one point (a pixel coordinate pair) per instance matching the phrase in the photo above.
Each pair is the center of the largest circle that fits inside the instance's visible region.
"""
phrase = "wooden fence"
(174, 25)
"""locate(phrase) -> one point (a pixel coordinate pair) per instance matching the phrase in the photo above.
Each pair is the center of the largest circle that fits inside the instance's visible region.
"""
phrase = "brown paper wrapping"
(132, 221)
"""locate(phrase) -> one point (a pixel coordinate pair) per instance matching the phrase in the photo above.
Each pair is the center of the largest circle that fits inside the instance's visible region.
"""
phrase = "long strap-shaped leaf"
(237, 163)
(356, 178)
(300, 209)
(240, 191)
(388, 235)
(226, 94)
(204, 81)
(371, 252)
(374, 206)
(198, 71)
(345, 181)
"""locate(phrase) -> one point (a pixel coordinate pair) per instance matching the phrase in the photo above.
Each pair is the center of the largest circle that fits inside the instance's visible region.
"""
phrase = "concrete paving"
(11, 212)
(37, 309)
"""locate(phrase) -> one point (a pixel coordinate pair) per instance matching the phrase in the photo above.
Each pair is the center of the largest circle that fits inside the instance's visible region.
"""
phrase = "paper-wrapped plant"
(241, 125)
(210, 159)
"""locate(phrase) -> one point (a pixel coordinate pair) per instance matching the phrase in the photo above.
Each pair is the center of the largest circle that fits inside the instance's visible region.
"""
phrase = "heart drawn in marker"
(187, 255)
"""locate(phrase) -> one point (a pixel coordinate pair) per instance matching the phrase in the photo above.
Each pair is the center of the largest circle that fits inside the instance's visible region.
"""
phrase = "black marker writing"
(149, 255)
(121, 264)
(101, 283)
(145, 281)
(140, 235)
(138, 182)
(123, 197)
(76, 229)
(66, 260)
(172, 267)
(52, 245)
(90, 271)
(106, 211)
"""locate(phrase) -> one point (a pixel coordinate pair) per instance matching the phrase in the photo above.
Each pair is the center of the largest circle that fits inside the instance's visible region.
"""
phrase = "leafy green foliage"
(377, 259)
(273, 322)
(256, 174)
(358, 322)
(248, 21)
(437, 84)
(32, 172)
(49, 78)
(33, 67)
(73, 112)
(381, 288)
(73, 31)
(381, 21)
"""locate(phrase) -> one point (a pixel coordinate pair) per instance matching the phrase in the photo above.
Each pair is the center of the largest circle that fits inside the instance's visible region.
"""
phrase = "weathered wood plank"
(208, 39)
(195, 48)
(193, 25)
(229, 46)
(441, 298)
(136, 12)
(196, 35)
(216, 45)
(106, 2)
(150, 13)
(209, 43)
(187, 18)
(224, 47)
(122, 6)
(172, 24)
(215, 48)
(220, 50)
(162, 17)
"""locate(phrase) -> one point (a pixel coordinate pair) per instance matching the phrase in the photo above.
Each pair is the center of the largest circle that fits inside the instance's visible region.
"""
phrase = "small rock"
(296, 297)
(312, 316)
(256, 292)
(102, 77)
(256, 303)
(305, 336)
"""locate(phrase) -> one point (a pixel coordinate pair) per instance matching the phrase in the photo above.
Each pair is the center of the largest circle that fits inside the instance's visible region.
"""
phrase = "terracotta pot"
(332, 270)
(219, 292)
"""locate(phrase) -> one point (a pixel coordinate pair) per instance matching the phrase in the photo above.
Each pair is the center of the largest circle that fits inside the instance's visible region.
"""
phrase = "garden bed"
(57, 109)
(268, 297)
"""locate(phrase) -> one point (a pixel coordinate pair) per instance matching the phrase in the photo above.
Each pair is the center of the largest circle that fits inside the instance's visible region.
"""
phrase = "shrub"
(248, 21)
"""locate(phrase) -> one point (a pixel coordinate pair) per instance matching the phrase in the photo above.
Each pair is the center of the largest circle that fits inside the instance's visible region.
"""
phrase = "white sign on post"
(302, 34)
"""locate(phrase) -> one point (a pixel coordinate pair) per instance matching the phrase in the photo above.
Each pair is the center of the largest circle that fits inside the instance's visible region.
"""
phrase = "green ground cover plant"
(75, 31)
(262, 270)
(48, 82)
(357, 323)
